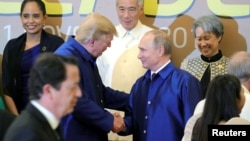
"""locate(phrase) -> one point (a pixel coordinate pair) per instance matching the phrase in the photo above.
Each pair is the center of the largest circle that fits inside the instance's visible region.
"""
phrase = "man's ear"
(141, 9)
(48, 90)
(161, 50)
(91, 42)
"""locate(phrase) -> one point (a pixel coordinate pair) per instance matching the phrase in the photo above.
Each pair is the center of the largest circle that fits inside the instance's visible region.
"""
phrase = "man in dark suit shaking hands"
(54, 91)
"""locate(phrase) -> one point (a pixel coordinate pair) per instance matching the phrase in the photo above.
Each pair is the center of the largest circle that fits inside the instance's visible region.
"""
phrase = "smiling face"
(32, 18)
(207, 42)
(149, 54)
(128, 13)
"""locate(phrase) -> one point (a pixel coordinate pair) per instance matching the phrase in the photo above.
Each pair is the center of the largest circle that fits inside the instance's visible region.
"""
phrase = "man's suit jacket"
(6, 118)
(89, 120)
(31, 125)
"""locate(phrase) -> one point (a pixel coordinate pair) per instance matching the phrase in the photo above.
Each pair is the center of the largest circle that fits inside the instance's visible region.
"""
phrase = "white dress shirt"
(119, 66)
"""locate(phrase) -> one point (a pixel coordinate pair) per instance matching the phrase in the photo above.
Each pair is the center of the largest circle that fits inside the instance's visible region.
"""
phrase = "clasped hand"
(118, 124)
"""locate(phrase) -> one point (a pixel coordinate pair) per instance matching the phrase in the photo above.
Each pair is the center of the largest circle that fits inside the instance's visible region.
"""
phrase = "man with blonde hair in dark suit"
(91, 121)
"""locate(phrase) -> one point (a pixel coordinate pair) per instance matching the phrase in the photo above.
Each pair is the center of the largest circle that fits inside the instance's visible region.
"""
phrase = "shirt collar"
(214, 58)
(82, 49)
(53, 121)
(134, 32)
(161, 67)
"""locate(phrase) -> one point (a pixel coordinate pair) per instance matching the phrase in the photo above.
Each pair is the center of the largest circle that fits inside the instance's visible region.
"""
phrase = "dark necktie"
(57, 132)
(153, 76)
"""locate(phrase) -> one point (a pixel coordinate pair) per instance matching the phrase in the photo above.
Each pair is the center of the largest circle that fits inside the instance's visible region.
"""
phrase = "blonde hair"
(93, 27)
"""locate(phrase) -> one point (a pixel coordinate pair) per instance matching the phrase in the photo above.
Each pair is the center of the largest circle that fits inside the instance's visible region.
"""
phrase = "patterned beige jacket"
(197, 67)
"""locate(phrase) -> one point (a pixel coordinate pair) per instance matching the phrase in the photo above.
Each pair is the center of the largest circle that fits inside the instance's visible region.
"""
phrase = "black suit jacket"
(6, 118)
(31, 125)
(11, 64)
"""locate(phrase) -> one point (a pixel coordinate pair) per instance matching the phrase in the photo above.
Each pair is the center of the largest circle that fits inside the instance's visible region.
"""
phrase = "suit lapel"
(39, 117)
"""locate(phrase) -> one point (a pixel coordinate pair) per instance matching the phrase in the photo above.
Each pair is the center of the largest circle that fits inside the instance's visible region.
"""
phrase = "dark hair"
(221, 104)
(50, 69)
(40, 4)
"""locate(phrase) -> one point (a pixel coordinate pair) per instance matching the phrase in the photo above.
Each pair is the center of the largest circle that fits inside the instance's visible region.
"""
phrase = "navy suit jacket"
(11, 64)
(90, 121)
(31, 125)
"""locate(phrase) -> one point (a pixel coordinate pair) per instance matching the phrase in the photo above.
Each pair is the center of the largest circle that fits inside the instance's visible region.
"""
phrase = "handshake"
(118, 124)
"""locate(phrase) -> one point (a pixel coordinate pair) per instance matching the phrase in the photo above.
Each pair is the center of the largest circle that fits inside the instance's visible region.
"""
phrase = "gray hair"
(239, 65)
(209, 23)
(161, 39)
(139, 2)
